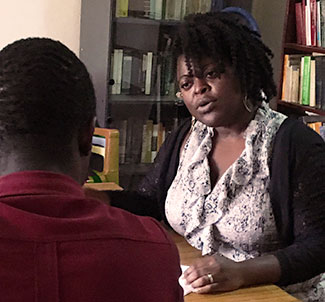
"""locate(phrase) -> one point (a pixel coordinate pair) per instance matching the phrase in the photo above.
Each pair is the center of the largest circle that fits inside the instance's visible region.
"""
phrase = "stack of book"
(139, 142)
(310, 22)
(138, 73)
(304, 79)
(133, 74)
(164, 9)
(319, 127)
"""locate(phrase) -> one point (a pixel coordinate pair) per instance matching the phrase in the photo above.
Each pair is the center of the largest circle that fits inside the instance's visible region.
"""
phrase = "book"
(290, 84)
(322, 132)
(305, 82)
(122, 7)
(313, 22)
(128, 141)
(146, 142)
(148, 72)
(161, 135)
(205, 6)
(136, 76)
(320, 81)
(315, 126)
(318, 20)
(126, 74)
(152, 9)
(301, 78)
(136, 139)
(154, 74)
(191, 7)
(284, 76)
(308, 22)
(312, 96)
(133, 140)
(173, 10)
(157, 9)
(121, 125)
(322, 21)
(166, 63)
(146, 5)
(294, 95)
(154, 142)
(117, 71)
(170, 10)
(303, 19)
(137, 8)
(299, 22)
(167, 81)
(144, 146)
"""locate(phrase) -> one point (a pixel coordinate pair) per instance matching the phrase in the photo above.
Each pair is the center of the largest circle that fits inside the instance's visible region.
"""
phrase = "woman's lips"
(205, 106)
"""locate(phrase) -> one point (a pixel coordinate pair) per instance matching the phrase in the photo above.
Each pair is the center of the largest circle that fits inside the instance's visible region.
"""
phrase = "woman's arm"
(228, 275)
(304, 255)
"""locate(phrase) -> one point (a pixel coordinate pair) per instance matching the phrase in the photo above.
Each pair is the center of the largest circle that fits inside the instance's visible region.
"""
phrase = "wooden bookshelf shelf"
(146, 21)
(129, 98)
(134, 20)
(299, 109)
(302, 48)
(302, 81)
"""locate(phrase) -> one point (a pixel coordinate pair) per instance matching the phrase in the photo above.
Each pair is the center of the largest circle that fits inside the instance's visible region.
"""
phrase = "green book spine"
(306, 81)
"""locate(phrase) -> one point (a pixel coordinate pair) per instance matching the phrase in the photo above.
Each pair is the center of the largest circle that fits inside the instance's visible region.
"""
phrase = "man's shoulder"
(136, 228)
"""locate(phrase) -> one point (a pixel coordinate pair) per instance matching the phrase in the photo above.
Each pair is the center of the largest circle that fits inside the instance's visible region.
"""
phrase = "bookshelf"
(298, 41)
(126, 45)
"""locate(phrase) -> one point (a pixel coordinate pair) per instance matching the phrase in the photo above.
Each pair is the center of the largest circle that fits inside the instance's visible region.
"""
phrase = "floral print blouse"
(235, 217)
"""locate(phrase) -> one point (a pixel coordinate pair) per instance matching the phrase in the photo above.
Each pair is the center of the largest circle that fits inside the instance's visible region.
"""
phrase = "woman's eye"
(212, 74)
(185, 85)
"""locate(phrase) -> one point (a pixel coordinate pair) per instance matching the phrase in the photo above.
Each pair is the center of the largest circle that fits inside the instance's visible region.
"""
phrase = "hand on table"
(215, 273)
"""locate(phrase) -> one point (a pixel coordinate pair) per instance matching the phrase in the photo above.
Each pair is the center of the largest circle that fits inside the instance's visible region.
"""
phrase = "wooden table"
(103, 186)
(264, 293)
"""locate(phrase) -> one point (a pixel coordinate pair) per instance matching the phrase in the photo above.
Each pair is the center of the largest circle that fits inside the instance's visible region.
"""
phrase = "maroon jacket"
(58, 245)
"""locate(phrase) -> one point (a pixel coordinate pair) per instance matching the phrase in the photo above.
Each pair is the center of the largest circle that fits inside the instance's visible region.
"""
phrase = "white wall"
(56, 19)
(270, 15)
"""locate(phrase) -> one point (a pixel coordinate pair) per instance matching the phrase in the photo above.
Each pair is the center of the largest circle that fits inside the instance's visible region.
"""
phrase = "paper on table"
(186, 287)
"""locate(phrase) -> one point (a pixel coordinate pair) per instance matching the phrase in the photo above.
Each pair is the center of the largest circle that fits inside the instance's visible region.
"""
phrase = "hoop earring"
(263, 95)
(179, 95)
(246, 104)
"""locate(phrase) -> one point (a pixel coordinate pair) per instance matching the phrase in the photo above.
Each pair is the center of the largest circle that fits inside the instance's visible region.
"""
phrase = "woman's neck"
(235, 130)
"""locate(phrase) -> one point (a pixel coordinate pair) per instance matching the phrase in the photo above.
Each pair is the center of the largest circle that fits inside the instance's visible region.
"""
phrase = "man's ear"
(85, 137)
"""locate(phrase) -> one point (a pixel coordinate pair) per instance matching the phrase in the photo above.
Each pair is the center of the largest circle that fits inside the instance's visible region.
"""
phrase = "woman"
(242, 183)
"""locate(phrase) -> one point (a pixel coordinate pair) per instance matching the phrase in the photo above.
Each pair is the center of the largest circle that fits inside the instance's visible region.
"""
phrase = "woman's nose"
(201, 86)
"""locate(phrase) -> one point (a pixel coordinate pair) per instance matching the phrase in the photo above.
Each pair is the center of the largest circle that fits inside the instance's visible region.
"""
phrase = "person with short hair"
(242, 183)
(56, 244)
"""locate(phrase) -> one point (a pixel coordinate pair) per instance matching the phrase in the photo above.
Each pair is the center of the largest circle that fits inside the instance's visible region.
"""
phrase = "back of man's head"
(45, 94)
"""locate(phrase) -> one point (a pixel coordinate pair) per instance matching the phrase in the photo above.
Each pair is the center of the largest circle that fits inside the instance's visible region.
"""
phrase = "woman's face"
(212, 97)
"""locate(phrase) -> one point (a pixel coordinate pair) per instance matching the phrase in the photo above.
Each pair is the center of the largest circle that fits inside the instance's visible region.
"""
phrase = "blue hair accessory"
(252, 24)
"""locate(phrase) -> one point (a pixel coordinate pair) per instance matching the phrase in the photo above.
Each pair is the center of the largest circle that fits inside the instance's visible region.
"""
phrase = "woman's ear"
(86, 136)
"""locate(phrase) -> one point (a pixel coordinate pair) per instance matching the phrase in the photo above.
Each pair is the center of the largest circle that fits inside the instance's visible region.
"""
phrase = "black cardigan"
(297, 192)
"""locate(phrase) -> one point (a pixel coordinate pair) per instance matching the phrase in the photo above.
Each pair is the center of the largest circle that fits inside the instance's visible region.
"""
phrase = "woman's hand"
(215, 273)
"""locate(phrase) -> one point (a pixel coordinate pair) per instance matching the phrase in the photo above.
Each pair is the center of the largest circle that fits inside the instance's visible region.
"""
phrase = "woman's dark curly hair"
(218, 36)
(45, 90)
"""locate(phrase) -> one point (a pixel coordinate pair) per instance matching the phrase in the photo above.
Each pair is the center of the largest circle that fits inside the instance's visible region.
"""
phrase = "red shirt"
(58, 245)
